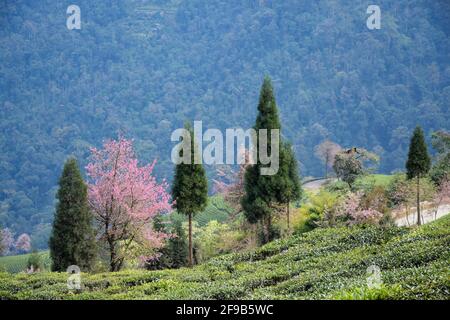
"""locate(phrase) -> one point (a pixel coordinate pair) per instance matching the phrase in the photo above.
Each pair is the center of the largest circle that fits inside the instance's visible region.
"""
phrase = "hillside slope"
(322, 264)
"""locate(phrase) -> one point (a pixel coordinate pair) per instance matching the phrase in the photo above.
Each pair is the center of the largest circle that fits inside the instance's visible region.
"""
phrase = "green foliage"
(190, 186)
(440, 169)
(321, 264)
(311, 213)
(216, 209)
(177, 246)
(34, 261)
(289, 179)
(338, 187)
(402, 191)
(441, 142)
(362, 183)
(174, 253)
(365, 293)
(351, 164)
(263, 191)
(347, 168)
(373, 180)
(73, 239)
(419, 162)
(208, 240)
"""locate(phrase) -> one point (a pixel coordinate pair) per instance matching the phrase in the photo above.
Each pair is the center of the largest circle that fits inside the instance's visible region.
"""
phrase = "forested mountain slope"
(143, 67)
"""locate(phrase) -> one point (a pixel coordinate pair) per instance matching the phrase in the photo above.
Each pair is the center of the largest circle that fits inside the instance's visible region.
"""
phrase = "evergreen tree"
(440, 141)
(418, 163)
(178, 248)
(262, 191)
(174, 254)
(289, 189)
(190, 187)
(72, 241)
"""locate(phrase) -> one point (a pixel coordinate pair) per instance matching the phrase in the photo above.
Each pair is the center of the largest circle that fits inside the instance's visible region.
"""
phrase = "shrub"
(310, 215)
(34, 262)
(326, 263)
(365, 293)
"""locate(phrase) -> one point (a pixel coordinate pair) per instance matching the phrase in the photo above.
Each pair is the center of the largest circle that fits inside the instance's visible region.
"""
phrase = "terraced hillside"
(217, 209)
(322, 264)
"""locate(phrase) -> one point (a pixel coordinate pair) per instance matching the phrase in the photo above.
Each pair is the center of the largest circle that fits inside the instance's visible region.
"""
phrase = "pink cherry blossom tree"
(23, 243)
(352, 212)
(125, 198)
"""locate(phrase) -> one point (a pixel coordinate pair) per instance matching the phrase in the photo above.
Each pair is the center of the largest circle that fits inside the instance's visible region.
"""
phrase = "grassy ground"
(15, 264)
(382, 180)
(321, 264)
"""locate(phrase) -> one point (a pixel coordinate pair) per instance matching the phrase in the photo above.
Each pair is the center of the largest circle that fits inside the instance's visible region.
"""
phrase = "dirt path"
(316, 184)
(427, 216)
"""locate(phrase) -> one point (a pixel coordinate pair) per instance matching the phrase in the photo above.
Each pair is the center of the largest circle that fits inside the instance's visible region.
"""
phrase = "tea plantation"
(18, 263)
(322, 264)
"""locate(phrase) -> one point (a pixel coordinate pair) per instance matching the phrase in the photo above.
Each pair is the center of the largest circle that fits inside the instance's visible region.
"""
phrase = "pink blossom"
(125, 197)
(352, 211)
(23, 243)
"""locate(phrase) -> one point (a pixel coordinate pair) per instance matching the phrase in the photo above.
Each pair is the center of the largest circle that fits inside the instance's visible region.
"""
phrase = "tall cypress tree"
(289, 189)
(190, 188)
(177, 246)
(262, 191)
(418, 163)
(72, 241)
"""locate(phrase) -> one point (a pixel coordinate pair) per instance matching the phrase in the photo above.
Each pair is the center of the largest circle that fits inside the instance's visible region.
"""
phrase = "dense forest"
(143, 67)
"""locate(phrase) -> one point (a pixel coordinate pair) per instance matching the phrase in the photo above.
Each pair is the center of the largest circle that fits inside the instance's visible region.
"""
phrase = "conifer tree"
(178, 247)
(418, 163)
(72, 241)
(174, 254)
(262, 191)
(290, 189)
(190, 187)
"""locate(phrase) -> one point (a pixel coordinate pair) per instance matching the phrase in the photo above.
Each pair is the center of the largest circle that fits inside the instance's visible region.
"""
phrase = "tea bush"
(321, 264)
